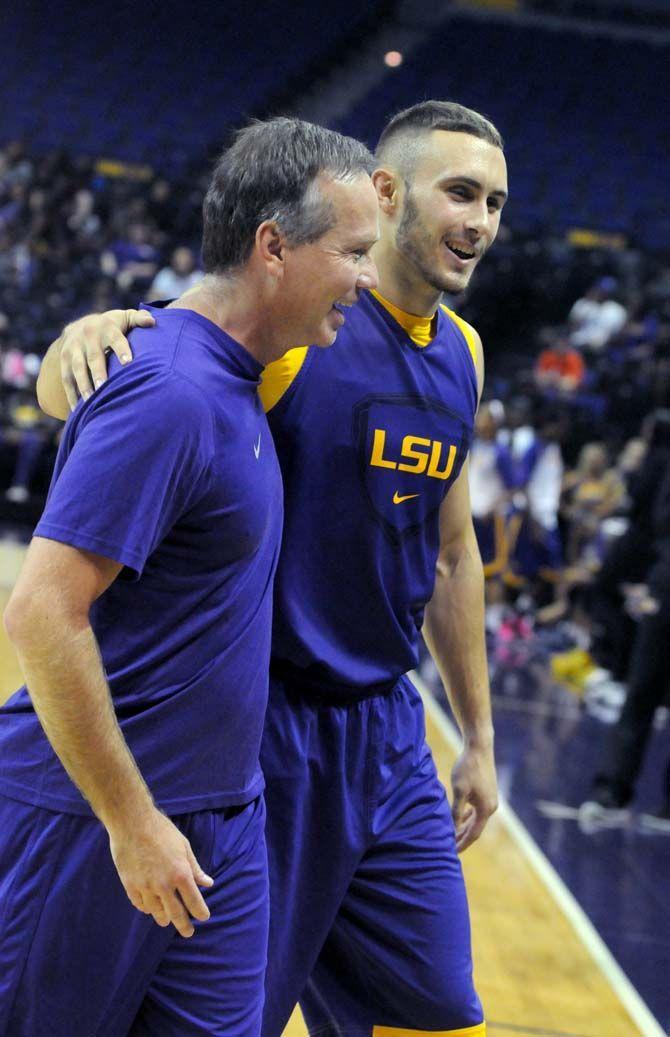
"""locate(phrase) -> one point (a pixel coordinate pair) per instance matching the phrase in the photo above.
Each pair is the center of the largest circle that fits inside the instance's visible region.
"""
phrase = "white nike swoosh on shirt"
(257, 447)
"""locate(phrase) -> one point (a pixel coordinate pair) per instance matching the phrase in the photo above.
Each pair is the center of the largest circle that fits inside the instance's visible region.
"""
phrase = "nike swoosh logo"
(397, 499)
(257, 447)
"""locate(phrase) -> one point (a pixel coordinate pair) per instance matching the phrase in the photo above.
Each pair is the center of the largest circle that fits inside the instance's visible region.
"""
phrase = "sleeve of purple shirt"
(132, 462)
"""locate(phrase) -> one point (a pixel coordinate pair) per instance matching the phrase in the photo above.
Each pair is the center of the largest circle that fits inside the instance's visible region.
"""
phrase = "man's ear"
(388, 185)
(270, 247)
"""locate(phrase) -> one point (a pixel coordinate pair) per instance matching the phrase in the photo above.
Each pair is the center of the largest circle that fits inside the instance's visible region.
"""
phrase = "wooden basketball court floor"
(540, 967)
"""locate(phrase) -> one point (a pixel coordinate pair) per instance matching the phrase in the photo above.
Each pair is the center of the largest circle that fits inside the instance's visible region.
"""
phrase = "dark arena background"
(111, 115)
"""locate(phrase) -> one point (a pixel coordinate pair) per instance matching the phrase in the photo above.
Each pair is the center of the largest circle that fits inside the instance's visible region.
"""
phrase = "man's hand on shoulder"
(76, 363)
(84, 344)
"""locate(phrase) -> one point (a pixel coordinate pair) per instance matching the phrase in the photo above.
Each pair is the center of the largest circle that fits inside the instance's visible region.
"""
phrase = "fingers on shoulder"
(138, 319)
(114, 341)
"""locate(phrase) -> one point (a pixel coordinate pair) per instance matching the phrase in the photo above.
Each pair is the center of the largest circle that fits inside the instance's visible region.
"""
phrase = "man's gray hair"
(269, 173)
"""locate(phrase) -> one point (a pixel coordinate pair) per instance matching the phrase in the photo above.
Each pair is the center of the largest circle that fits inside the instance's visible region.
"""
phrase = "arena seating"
(150, 86)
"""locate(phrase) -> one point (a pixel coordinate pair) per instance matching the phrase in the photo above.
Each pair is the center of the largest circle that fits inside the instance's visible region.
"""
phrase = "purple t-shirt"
(170, 469)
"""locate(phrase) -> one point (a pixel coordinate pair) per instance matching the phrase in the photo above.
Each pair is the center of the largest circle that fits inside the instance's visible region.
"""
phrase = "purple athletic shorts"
(369, 923)
(78, 960)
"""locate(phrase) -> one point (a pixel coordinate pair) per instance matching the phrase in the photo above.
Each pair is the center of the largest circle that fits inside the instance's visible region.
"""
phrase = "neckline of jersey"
(417, 329)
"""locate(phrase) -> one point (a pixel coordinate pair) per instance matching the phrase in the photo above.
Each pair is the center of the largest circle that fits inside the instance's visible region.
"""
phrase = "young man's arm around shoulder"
(76, 363)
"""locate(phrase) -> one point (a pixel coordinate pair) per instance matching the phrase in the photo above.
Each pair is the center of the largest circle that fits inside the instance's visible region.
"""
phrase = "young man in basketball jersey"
(142, 621)
(369, 920)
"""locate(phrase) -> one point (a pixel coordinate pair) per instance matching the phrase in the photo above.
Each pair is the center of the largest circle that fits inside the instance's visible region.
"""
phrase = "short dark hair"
(269, 173)
(425, 117)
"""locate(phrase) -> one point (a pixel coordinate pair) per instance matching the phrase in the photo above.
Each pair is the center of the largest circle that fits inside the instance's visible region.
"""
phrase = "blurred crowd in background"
(74, 239)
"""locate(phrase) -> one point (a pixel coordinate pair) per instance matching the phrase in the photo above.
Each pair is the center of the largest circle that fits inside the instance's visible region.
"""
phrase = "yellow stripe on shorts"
(392, 1031)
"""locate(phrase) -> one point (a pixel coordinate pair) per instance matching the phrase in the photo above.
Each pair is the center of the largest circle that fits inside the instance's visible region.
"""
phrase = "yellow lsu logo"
(421, 455)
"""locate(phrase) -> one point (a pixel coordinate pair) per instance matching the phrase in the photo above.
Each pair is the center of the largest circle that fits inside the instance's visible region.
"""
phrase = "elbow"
(451, 559)
(14, 620)
(45, 405)
(39, 618)
(463, 561)
(25, 618)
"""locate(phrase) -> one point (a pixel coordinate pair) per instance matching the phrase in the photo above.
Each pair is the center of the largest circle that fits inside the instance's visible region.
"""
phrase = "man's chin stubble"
(446, 284)
(414, 256)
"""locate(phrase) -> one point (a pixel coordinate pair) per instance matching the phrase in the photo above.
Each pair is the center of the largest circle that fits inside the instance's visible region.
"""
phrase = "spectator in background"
(624, 750)
(627, 560)
(12, 208)
(596, 317)
(538, 465)
(83, 221)
(131, 260)
(13, 373)
(590, 493)
(15, 166)
(31, 433)
(26, 435)
(559, 367)
(161, 206)
(16, 263)
(176, 278)
(491, 479)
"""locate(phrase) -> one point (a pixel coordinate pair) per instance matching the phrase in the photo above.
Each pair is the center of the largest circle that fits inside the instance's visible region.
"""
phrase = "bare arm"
(47, 620)
(454, 633)
(76, 363)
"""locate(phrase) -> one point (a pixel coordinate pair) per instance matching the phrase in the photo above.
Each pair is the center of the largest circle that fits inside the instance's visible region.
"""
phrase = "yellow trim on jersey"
(279, 376)
(419, 329)
(468, 332)
(392, 1031)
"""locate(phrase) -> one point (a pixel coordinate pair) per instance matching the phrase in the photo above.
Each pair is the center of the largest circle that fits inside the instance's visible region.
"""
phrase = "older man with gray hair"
(142, 623)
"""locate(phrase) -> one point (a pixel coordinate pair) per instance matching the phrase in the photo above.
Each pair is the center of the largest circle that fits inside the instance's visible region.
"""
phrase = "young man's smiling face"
(451, 207)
